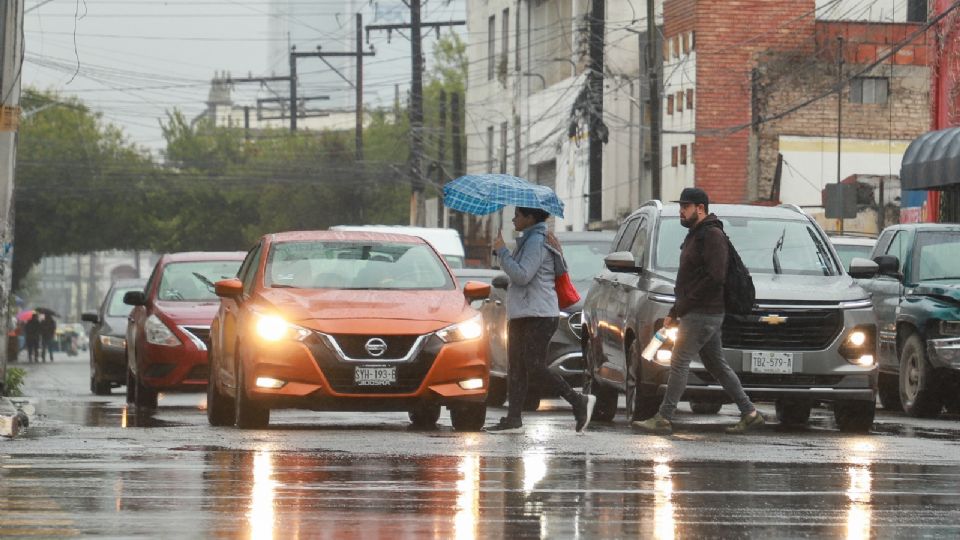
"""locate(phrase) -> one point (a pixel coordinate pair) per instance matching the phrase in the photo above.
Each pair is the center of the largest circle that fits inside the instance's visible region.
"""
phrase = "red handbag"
(567, 294)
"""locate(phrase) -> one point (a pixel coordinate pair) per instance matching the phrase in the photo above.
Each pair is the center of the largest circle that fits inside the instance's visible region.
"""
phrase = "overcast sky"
(133, 60)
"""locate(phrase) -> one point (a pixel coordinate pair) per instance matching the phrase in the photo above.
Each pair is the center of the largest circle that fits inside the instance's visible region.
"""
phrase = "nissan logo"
(375, 346)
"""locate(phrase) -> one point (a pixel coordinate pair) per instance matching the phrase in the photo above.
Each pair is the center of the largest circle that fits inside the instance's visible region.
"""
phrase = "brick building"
(741, 82)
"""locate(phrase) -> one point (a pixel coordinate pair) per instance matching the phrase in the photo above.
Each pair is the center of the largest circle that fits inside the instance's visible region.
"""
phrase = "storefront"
(930, 178)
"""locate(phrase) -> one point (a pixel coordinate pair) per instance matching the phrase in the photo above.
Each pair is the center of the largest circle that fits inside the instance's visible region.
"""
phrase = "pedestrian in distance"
(48, 333)
(699, 310)
(532, 318)
(32, 330)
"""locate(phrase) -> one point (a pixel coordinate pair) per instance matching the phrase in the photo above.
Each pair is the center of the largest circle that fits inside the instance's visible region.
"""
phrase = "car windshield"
(848, 252)
(117, 308)
(193, 281)
(936, 256)
(584, 260)
(355, 265)
(756, 239)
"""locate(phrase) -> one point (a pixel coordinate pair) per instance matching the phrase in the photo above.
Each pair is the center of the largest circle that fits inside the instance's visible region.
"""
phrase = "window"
(680, 101)
(685, 41)
(869, 90)
(666, 50)
(693, 40)
(683, 154)
(625, 241)
(489, 149)
(690, 153)
(670, 104)
(916, 10)
(491, 47)
(898, 247)
(516, 145)
(249, 269)
(503, 148)
(516, 46)
(690, 98)
(676, 46)
(505, 28)
(673, 156)
(639, 246)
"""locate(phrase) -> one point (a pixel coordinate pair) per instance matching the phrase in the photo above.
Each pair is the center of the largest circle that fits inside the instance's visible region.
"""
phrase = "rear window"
(193, 281)
(803, 251)
(355, 265)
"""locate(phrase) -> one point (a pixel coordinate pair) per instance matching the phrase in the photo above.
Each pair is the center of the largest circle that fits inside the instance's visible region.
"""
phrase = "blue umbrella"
(482, 194)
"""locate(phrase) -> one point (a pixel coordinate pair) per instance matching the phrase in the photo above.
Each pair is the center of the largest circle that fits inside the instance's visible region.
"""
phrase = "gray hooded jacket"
(532, 268)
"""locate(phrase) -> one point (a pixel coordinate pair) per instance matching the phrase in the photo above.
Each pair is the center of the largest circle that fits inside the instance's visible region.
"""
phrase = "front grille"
(801, 330)
(202, 333)
(354, 346)
(773, 379)
(340, 372)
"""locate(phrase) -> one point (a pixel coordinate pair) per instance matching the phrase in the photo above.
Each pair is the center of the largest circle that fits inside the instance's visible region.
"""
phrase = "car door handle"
(615, 284)
(497, 303)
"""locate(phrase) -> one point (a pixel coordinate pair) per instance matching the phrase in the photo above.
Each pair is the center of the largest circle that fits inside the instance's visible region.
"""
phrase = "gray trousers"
(699, 334)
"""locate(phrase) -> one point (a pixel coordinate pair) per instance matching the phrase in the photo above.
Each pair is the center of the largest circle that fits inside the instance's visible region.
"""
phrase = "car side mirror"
(621, 261)
(888, 265)
(501, 282)
(228, 288)
(862, 268)
(90, 318)
(474, 290)
(134, 298)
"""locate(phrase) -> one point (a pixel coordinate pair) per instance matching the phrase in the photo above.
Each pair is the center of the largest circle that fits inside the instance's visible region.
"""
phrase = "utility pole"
(11, 55)
(595, 85)
(359, 88)
(441, 155)
(839, 127)
(653, 77)
(417, 203)
(457, 151)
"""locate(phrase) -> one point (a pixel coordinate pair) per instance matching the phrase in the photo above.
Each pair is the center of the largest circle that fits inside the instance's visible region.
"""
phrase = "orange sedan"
(347, 321)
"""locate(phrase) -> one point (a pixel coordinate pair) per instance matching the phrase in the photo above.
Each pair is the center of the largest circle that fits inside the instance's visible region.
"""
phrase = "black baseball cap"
(693, 195)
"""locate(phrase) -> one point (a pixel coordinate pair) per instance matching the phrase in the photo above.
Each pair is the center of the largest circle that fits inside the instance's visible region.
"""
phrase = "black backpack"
(739, 293)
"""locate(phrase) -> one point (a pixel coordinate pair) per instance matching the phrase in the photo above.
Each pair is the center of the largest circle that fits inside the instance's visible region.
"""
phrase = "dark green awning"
(932, 161)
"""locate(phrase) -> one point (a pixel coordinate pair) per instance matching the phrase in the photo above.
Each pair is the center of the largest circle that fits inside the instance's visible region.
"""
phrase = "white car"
(850, 246)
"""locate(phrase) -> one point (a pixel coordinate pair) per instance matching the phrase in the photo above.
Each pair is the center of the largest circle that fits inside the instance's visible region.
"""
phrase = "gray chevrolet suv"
(810, 337)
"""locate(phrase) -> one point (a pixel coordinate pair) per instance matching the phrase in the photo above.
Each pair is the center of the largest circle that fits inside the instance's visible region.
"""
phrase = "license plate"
(771, 362)
(374, 376)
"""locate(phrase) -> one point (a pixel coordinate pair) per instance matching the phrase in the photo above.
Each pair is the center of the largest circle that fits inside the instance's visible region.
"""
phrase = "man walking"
(48, 331)
(699, 310)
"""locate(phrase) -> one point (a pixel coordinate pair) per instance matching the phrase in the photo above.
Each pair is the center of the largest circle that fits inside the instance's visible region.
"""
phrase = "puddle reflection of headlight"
(664, 522)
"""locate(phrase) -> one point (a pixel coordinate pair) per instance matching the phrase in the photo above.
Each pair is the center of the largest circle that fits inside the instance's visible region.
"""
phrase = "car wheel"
(131, 387)
(888, 388)
(639, 406)
(425, 416)
(220, 408)
(606, 406)
(497, 394)
(144, 397)
(854, 416)
(248, 415)
(793, 413)
(919, 391)
(99, 388)
(705, 407)
(468, 416)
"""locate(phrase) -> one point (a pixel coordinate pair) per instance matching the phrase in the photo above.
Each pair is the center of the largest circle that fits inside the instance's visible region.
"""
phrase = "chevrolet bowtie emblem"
(773, 319)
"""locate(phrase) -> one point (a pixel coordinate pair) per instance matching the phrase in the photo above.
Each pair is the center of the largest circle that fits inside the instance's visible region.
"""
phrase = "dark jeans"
(528, 339)
(699, 333)
(46, 348)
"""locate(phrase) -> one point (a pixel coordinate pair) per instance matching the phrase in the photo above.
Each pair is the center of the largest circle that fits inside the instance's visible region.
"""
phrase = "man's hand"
(554, 243)
(498, 242)
(668, 322)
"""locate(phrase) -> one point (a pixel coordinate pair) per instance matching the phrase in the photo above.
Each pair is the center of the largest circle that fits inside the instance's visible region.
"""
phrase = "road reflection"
(858, 492)
(261, 513)
(664, 526)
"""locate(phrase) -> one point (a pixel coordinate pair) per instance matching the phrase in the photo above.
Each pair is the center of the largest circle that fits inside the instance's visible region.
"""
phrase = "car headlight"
(462, 331)
(859, 345)
(158, 333)
(950, 328)
(113, 341)
(274, 328)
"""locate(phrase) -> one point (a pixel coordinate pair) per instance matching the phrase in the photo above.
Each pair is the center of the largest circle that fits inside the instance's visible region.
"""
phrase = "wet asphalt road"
(88, 466)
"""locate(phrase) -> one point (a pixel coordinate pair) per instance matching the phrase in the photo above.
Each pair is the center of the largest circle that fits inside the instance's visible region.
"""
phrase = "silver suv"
(810, 337)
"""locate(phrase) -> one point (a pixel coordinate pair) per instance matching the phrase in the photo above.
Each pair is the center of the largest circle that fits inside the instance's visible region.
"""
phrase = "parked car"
(916, 295)
(584, 252)
(108, 337)
(809, 338)
(446, 241)
(168, 330)
(352, 321)
(849, 247)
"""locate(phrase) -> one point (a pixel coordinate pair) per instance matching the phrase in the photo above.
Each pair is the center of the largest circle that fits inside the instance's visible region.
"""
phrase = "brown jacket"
(703, 269)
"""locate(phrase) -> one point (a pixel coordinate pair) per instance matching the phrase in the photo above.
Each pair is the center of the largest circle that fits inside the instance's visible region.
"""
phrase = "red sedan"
(168, 330)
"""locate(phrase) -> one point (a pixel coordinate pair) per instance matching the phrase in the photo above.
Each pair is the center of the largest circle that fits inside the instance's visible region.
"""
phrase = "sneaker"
(747, 423)
(583, 411)
(506, 425)
(654, 424)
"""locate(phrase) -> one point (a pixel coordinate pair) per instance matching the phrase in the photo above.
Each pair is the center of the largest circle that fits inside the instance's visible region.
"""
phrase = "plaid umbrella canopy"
(482, 194)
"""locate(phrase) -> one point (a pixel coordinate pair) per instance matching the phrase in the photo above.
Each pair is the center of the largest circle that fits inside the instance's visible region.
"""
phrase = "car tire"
(221, 409)
(468, 416)
(248, 415)
(131, 387)
(854, 416)
(425, 416)
(639, 406)
(705, 407)
(919, 388)
(793, 412)
(497, 393)
(145, 398)
(99, 388)
(888, 388)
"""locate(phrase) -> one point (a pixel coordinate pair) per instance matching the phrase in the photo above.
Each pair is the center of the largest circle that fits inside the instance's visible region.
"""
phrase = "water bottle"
(651, 349)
